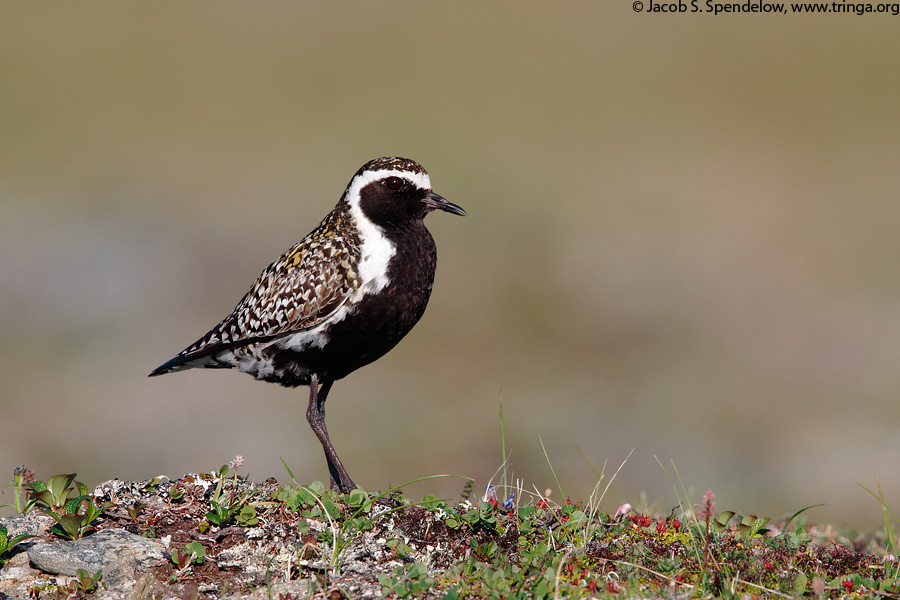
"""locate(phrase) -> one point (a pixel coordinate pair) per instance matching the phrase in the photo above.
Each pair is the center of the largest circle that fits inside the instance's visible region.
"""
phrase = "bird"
(339, 299)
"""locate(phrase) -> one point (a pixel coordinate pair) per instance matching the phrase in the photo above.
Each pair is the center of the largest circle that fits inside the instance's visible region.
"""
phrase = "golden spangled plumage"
(339, 299)
(297, 291)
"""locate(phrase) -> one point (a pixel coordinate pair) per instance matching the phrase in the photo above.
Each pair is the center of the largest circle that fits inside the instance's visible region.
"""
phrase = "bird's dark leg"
(315, 414)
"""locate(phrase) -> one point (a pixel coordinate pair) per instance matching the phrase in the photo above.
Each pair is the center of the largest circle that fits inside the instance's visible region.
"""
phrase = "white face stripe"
(420, 180)
(376, 249)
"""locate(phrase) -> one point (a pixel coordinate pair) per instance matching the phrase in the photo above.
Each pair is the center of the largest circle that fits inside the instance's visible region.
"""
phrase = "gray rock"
(120, 555)
(16, 568)
(32, 523)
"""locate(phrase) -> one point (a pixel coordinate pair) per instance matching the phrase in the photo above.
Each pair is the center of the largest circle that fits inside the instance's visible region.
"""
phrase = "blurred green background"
(682, 239)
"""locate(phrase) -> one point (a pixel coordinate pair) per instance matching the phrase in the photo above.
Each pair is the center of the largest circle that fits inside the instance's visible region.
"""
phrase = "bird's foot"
(345, 486)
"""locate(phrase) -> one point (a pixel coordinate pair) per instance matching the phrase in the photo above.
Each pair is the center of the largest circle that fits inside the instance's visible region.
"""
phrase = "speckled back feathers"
(297, 291)
(304, 287)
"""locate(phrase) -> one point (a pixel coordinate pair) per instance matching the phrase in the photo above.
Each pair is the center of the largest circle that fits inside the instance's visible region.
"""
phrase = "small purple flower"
(237, 463)
(508, 503)
(490, 493)
(24, 472)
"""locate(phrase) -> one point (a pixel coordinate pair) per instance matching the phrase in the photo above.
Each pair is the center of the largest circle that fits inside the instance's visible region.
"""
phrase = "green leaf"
(179, 557)
(291, 498)
(197, 552)
(176, 493)
(219, 515)
(357, 498)
(316, 487)
(37, 486)
(59, 486)
(800, 584)
(303, 526)
(720, 523)
(93, 511)
(72, 505)
(16, 539)
(431, 502)
(471, 517)
(247, 516)
(286, 468)
(307, 497)
(86, 581)
(333, 509)
(576, 518)
(757, 525)
(69, 525)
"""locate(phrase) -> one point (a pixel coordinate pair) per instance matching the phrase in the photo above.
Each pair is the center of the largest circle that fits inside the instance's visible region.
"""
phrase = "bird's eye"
(393, 183)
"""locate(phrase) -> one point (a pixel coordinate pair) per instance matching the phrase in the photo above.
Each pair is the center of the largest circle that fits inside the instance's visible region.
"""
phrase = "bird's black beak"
(435, 202)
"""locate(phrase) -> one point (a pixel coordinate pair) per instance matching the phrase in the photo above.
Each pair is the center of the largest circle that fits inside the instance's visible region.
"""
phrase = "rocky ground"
(218, 536)
(272, 555)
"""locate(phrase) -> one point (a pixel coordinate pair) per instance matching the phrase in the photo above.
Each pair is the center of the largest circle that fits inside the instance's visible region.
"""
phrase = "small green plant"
(193, 553)
(481, 516)
(78, 515)
(35, 589)
(151, 486)
(228, 509)
(73, 516)
(135, 510)
(53, 494)
(222, 514)
(218, 493)
(8, 543)
(408, 581)
(176, 492)
(240, 513)
(751, 526)
(84, 583)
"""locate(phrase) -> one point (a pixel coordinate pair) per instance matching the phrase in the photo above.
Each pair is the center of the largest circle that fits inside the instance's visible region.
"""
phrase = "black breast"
(379, 321)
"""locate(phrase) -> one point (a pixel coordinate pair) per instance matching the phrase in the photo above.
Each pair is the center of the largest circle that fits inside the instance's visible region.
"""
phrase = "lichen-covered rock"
(31, 523)
(120, 555)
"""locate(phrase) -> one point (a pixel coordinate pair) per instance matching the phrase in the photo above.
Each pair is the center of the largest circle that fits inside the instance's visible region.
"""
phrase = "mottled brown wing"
(298, 291)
